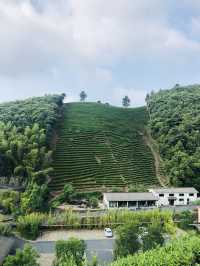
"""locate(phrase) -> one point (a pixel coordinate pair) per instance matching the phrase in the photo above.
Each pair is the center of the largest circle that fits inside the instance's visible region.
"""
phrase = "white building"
(174, 196)
(129, 200)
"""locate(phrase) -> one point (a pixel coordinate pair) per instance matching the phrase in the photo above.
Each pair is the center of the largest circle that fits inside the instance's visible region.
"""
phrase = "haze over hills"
(102, 146)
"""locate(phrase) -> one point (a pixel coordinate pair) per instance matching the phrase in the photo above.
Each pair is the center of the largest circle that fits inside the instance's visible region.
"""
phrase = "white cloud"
(89, 32)
(97, 44)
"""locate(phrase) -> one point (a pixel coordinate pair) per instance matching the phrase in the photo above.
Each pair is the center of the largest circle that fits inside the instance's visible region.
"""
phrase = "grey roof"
(129, 196)
(175, 190)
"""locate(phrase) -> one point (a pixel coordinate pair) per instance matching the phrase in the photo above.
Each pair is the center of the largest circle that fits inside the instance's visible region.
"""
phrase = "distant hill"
(102, 146)
(175, 125)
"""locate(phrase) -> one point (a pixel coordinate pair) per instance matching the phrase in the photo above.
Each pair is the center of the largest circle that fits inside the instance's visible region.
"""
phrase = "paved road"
(102, 248)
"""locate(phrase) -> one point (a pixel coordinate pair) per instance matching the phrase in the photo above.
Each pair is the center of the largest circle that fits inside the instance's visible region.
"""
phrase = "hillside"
(26, 130)
(175, 125)
(102, 146)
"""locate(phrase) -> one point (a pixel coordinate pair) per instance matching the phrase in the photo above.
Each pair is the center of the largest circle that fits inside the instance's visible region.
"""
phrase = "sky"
(109, 48)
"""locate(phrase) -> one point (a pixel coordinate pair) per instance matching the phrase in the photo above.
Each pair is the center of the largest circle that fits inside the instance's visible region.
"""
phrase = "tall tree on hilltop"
(126, 101)
(83, 96)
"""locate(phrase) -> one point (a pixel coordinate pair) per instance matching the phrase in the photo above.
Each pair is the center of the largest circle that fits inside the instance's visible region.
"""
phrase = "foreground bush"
(182, 252)
(127, 241)
(5, 229)
(28, 225)
(26, 257)
(73, 249)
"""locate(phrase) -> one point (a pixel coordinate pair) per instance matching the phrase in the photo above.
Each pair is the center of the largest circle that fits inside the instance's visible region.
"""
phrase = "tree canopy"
(126, 101)
(83, 96)
(175, 125)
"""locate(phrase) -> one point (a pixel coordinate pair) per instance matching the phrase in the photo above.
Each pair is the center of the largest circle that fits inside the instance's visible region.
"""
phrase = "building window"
(122, 204)
(113, 204)
(161, 195)
(132, 204)
(191, 194)
(181, 199)
(171, 194)
(181, 194)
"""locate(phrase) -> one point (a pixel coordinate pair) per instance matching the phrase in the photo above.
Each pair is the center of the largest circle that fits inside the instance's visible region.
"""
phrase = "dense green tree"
(175, 125)
(127, 240)
(126, 101)
(26, 132)
(35, 198)
(153, 237)
(93, 202)
(26, 257)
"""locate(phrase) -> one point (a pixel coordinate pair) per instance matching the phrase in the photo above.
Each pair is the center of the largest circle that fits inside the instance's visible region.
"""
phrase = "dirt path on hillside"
(150, 143)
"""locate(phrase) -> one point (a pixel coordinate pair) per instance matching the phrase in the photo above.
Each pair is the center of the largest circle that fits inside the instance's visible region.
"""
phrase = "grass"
(102, 146)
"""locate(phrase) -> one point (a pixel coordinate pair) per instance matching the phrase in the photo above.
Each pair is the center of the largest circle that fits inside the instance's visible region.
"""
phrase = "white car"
(108, 232)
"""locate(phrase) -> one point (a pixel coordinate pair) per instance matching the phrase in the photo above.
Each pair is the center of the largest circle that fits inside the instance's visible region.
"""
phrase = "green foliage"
(9, 201)
(65, 260)
(137, 188)
(181, 252)
(93, 202)
(28, 225)
(112, 219)
(102, 146)
(5, 229)
(175, 125)
(195, 202)
(26, 131)
(35, 198)
(26, 257)
(24, 153)
(154, 236)
(185, 219)
(126, 101)
(43, 111)
(127, 241)
(116, 189)
(72, 247)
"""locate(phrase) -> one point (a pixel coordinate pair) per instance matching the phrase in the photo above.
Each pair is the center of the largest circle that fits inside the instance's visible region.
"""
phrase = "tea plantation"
(102, 146)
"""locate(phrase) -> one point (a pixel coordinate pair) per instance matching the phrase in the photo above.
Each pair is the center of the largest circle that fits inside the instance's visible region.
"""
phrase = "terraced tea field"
(102, 146)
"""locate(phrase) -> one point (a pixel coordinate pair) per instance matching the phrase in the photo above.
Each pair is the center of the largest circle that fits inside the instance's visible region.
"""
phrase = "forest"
(26, 132)
(175, 125)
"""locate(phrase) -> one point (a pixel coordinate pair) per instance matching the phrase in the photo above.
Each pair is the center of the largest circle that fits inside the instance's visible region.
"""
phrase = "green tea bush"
(181, 252)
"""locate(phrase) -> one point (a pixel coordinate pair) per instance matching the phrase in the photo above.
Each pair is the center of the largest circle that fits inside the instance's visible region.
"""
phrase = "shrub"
(26, 257)
(93, 202)
(28, 225)
(5, 229)
(127, 241)
(154, 237)
(9, 200)
(185, 218)
(65, 260)
(72, 247)
(195, 202)
(35, 198)
(181, 252)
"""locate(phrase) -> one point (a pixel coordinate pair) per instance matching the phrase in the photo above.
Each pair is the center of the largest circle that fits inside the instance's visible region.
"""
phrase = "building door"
(171, 202)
